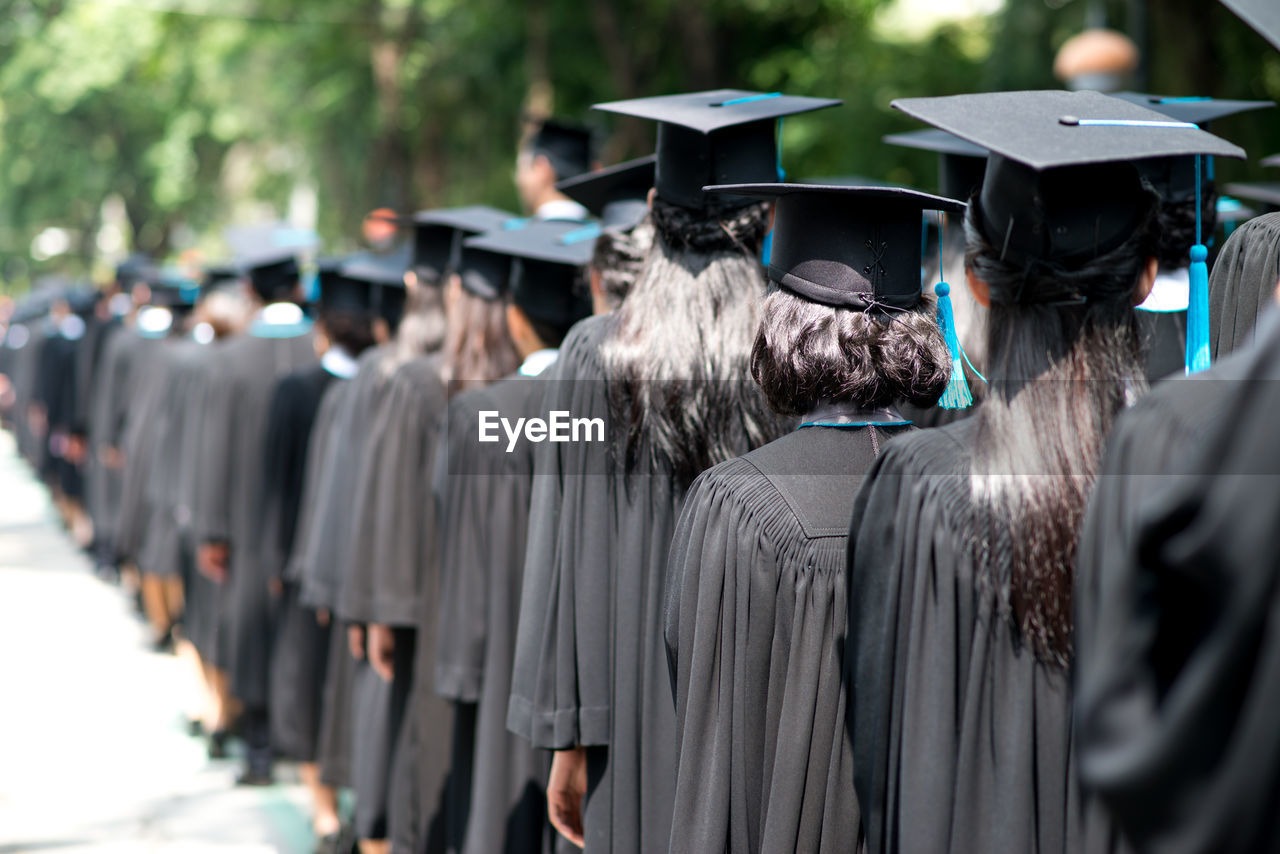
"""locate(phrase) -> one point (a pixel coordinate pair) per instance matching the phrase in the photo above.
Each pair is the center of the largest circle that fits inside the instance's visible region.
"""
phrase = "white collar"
(561, 209)
(538, 361)
(1171, 291)
(280, 314)
(339, 362)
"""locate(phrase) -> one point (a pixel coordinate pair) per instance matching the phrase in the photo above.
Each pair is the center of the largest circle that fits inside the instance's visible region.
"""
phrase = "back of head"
(678, 349)
(1064, 357)
(619, 258)
(1243, 281)
(477, 346)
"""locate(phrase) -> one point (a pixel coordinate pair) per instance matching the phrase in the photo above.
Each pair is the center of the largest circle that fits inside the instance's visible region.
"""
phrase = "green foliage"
(199, 113)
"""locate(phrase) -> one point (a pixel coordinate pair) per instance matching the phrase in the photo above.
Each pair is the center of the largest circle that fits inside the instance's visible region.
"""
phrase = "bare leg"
(153, 604)
(324, 801)
(374, 846)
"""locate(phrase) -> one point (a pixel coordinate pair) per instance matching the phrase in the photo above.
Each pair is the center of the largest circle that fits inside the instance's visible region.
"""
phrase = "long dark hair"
(1060, 373)
(478, 348)
(807, 354)
(421, 329)
(619, 257)
(677, 350)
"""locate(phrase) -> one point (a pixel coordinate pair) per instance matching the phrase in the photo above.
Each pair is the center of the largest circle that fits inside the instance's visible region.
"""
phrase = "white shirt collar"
(561, 209)
(538, 362)
(1170, 292)
(339, 362)
(281, 314)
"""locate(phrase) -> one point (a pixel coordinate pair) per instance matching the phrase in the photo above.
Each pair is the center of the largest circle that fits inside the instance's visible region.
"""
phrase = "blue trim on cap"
(515, 223)
(748, 99)
(590, 231)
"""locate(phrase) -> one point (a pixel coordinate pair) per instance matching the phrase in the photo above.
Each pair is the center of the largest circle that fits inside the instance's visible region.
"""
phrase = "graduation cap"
(1262, 15)
(1174, 178)
(274, 274)
(172, 289)
(220, 275)
(960, 162)
(1197, 110)
(852, 247)
(547, 259)
(1058, 184)
(1273, 160)
(565, 144)
(1264, 192)
(619, 195)
(134, 270)
(342, 294)
(725, 136)
(438, 236)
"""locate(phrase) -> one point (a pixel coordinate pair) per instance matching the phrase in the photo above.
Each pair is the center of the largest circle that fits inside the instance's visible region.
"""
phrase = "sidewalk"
(94, 756)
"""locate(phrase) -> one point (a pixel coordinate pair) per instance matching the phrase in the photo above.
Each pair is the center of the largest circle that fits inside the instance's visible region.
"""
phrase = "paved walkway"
(94, 756)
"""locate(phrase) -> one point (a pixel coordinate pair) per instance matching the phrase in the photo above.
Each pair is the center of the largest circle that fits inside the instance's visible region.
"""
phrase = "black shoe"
(195, 728)
(254, 777)
(218, 744)
(163, 644)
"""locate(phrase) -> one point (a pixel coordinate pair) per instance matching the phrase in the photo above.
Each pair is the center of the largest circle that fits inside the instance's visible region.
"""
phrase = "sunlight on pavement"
(95, 756)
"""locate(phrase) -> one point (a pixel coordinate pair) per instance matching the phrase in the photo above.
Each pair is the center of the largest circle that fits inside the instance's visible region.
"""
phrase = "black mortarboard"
(172, 289)
(220, 275)
(1194, 109)
(273, 275)
(853, 247)
(1058, 183)
(341, 293)
(960, 162)
(1262, 15)
(1273, 160)
(484, 274)
(1174, 178)
(566, 145)
(619, 195)
(1267, 193)
(726, 136)
(438, 236)
(547, 259)
(134, 269)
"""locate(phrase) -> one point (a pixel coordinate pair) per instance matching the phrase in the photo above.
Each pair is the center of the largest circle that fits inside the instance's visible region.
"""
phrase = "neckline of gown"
(852, 415)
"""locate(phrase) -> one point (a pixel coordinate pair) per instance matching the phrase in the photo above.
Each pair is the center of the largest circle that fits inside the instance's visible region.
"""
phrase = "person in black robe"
(404, 736)
(1176, 666)
(1238, 289)
(756, 596)
(665, 374)
(230, 503)
(963, 538)
(223, 311)
(301, 642)
(495, 786)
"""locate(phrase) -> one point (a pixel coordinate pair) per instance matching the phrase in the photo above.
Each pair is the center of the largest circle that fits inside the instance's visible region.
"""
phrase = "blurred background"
(150, 124)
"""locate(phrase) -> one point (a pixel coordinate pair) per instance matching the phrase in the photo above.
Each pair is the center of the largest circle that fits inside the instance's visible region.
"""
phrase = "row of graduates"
(684, 613)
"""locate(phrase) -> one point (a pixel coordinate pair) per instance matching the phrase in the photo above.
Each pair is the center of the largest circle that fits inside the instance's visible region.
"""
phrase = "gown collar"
(852, 415)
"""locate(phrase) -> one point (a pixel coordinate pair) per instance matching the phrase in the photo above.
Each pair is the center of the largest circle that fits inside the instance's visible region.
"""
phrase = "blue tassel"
(1198, 311)
(1198, 298)
(957, 395)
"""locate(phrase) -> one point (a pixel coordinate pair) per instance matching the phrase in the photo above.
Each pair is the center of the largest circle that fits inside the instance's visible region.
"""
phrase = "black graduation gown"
(391, 578)
(322, 543)
(163, 547)
(115, 378)
(496, 792)
(1178, 662)
(144, 431)
(231, 505)
(1165, 335)
(301, 647)
(961, 736)
(591, 664)
(755, 623)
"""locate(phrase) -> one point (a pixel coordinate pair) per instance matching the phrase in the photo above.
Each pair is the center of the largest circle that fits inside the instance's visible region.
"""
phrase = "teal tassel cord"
(957, 395)
(1197, 356)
